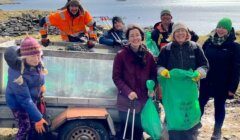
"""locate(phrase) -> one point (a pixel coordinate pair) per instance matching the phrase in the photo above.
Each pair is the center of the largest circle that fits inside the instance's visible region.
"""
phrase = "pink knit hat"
(30, 46)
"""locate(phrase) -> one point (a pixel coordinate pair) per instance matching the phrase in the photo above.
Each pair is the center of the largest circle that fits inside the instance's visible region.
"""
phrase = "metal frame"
(58, 104)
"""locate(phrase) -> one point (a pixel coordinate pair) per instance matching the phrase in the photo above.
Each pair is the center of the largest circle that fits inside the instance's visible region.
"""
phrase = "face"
(221, 32)
(33, 60)
(166, 19)
(135, 38)
(73, 9)
(180, 35)
(118, 25)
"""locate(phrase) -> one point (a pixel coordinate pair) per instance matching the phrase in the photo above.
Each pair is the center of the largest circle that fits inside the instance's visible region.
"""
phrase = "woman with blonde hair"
(181, 53)
(25, 86)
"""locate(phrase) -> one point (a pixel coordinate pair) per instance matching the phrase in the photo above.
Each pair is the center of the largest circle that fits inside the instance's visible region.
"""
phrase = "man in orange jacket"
(75, 24)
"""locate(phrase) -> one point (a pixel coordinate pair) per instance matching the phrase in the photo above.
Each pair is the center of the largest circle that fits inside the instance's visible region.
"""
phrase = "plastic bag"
(180, 100)
(151, 45)
(150, 120)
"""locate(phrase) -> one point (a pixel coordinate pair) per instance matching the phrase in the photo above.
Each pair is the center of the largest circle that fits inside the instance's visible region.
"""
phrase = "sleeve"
(50, 20)
(23, 97)
(236, 70)
(153, 74)
(155, 36)
(194, 36)
(201, 62)
(88, 20)
(117, 75)
(163, 59)
(106, 40)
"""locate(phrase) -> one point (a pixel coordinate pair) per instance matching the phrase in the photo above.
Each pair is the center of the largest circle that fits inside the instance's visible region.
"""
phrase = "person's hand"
(165, 73)
(45, 42)
(132, 95)
(39, 126)
(197, 77)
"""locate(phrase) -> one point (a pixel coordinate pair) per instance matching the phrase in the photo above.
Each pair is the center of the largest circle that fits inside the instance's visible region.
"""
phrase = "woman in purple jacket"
(24, 87)
(132, 67)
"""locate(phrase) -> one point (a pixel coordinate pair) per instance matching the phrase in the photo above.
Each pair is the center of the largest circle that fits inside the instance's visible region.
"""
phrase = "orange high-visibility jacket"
(67, 24)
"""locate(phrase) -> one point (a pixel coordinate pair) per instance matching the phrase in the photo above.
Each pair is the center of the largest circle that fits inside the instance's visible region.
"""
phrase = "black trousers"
(182, 135)
(219, 108)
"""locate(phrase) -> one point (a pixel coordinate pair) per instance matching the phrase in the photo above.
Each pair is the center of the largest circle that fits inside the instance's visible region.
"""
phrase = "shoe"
(217, 134)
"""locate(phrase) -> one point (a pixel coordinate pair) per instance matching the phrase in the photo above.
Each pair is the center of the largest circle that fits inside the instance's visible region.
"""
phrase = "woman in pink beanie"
(24, 87)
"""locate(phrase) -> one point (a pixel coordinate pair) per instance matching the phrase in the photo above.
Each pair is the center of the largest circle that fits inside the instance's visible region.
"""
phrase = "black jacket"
(188, 56)
(224, 61)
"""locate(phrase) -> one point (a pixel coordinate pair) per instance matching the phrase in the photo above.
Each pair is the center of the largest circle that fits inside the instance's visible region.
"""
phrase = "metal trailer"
(80, 97)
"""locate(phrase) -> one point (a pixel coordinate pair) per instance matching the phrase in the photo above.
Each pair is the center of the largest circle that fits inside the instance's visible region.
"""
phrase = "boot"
(217, 134)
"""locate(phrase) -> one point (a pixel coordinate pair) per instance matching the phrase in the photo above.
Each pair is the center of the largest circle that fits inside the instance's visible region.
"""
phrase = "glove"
(165, 73)
(39, 126)
(45, 42)
(197, 75)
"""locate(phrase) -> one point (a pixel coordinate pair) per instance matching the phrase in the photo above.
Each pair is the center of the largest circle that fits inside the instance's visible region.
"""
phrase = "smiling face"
(118, 25)
(221, 32)
(180, 36)
(135, 38)
(33, 60)
(166, 19)
(73, 8)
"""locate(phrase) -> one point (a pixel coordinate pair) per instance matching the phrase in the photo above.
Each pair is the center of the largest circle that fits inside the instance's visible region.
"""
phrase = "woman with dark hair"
(132, 67)
(222, 79)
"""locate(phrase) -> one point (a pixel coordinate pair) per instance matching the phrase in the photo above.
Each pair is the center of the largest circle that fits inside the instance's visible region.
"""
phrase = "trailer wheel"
(83, 130)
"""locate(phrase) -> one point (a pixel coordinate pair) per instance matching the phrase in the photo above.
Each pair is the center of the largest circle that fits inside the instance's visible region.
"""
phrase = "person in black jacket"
(183, 54)
(163, 29)
(116, 35)
(222, 79)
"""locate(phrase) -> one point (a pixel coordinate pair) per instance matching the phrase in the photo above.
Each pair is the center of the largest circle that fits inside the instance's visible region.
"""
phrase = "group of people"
(216, 64)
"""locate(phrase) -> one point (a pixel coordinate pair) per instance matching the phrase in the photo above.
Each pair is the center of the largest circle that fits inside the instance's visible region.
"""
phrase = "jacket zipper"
(181, 55)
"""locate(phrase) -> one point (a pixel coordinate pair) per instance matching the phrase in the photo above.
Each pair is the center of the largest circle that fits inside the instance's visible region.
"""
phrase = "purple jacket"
(130, 73)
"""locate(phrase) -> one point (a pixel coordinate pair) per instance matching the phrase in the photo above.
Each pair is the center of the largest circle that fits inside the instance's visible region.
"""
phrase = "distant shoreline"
(3, 2)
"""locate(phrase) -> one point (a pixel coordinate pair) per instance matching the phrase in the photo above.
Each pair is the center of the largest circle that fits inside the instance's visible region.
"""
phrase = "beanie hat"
(30, 46)
(74, 2)
(165, 12)
(179, 25)
(116, 19)
(225, 23)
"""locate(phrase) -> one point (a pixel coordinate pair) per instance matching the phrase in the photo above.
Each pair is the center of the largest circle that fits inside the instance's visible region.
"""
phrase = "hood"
(12, 57)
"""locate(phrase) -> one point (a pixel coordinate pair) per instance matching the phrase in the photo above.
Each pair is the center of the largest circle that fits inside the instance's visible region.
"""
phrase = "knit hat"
(116, 19)
(179, 25)
(166, 12)
(30, 46)
(225, 23)
(74, 2)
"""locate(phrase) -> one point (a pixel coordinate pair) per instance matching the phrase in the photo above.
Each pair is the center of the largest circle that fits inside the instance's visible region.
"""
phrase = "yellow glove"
(198, 76)
(165, 73)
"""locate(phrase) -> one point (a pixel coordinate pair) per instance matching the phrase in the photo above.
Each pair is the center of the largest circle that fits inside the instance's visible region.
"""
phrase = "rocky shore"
(2, 2)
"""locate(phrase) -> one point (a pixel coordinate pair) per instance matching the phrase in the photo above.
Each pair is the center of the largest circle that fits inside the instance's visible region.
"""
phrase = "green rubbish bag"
(150, 120)
(180, 99)
(151, 45)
